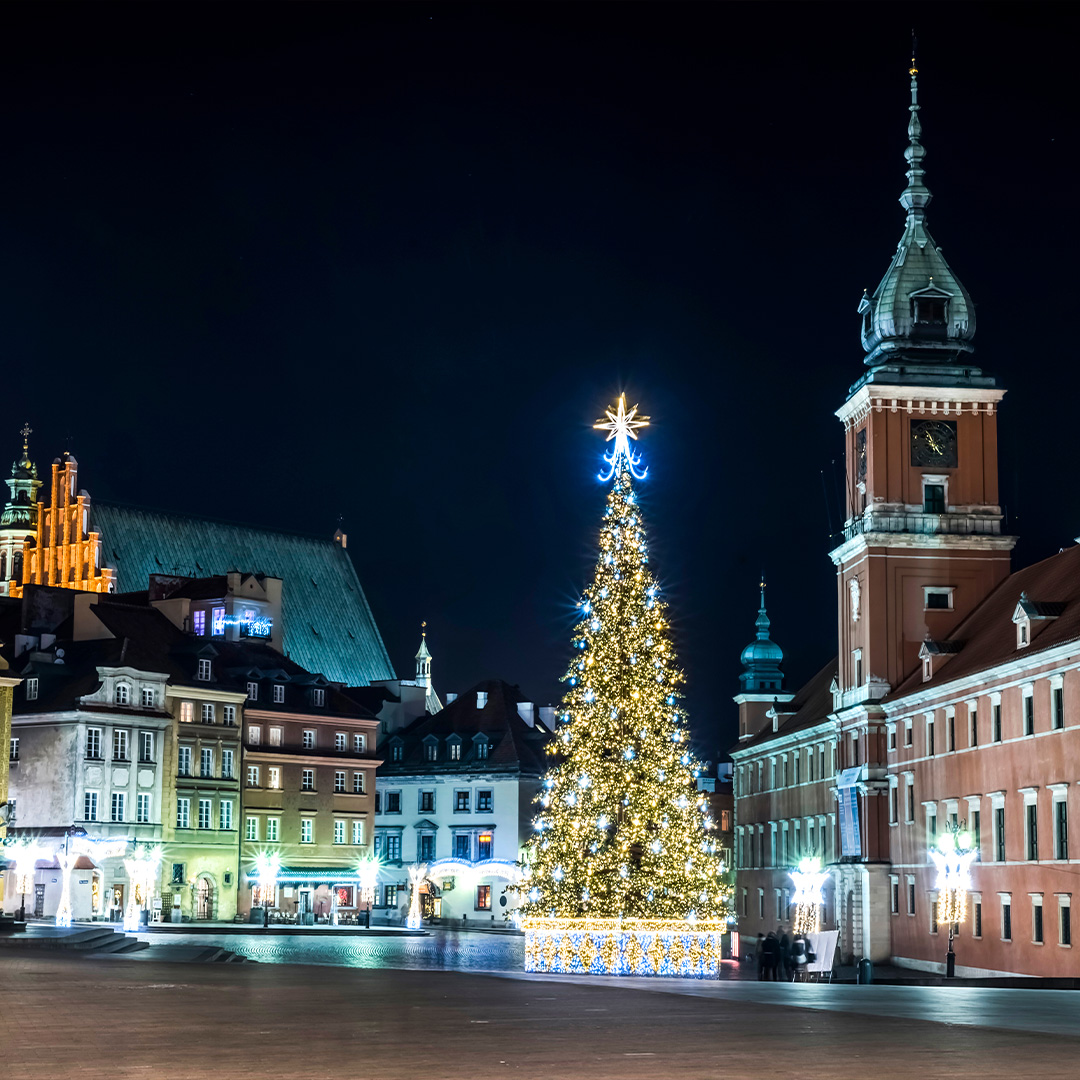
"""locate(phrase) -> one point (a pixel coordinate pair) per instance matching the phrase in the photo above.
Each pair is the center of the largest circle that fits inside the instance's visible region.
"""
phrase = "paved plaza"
(66, 1016)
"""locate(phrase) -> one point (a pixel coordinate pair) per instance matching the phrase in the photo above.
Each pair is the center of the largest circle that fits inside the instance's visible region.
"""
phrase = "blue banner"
(850, 839)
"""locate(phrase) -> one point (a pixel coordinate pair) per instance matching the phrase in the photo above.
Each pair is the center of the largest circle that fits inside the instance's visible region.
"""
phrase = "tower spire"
(916, 197)
(761, 659)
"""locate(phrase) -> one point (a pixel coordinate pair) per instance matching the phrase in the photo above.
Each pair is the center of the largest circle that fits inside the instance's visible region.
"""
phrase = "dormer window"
(929, 310)
(204, 671)
(396, 752)
(318, 697)
(1031, 615)
(123, 694)
(431, 749)
(1023, 633)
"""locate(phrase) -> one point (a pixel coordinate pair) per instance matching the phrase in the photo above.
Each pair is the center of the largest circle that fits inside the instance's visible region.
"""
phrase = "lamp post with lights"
(953, 858)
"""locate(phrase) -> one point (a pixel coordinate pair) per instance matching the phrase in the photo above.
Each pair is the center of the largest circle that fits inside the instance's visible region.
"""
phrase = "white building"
(455, 793)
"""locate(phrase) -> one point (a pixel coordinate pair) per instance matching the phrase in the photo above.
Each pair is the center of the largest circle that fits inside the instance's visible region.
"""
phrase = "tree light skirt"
(669, 948)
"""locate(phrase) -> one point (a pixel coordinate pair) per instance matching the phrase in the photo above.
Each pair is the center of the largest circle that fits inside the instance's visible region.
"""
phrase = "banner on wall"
(847, 785)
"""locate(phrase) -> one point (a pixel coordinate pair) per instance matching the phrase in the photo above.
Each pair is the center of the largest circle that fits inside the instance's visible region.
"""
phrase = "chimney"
(525, 711)
(451, 698)
(481, 699)
(547, 716)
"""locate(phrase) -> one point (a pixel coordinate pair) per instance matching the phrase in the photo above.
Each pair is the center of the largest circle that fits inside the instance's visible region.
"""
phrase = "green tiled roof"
(329, 628)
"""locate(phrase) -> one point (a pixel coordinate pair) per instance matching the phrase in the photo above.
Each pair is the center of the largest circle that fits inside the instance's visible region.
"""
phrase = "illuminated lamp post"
(26, 854)
(809, 880)
(267, 868)
(368, 872)
(953, 858)
(417, 873)
(142, 870)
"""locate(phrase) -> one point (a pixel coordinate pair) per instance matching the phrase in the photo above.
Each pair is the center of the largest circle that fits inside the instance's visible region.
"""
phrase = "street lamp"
(417, 873)
(267, 868)
(809, 880)
(953, 857)
(368, 872)
(142, 870)
(26, 854)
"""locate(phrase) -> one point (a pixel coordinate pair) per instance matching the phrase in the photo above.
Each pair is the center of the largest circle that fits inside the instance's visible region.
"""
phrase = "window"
(146, 746)
(431, 751)
(208, 712)
(117, 806)
(142, 808)
(273, 778)
(1057, 708)
(357, 832)
(123, 694)
(455, 751)
(1061, 828)
(894, 804)
(253, 776)
(90, 805)
(339, 781)
(393, 847)
(894, 895)
(359, 744)
(358, 783)
(253, 691)
(933, 913)
(910, 895)
(339, 832)
(975, 821)
(183, 813)
(378, 801)
(482, 749)
(854, 749)
(204, 671)
(205, 807)
(307, 831)
(1031, 822)
(1037, 920)
(148, 697)
(1023, 631)
(485, 801)
(996, 715)
(206, 763)
(462, 846)
(279, 693)
(426, 847)
(483, 897)
(892, 737)
(31, 689)
(907, 732)
(227, 764)
(483, 846)
(973, 725)
(273, 826)
(950, 732)
(976, 917)
(931, 826)
(1029, 713)
(229, 715)
(999, 833)
(275, 735)
(341, 742)
(796, 761)
(390, 895)
(909, 799)
(225, 814)
(217, 622)
(1065, 921)
(183, 761)
(396, 752)
(318, 697)
(307, 780)
(393, 802)
(198, 623)
(187, 712)
(251, 828)
(93, 743)
(309, 738)
(933, 498)
(937, 599)
(120, 745)
(461, 802)
(254, 735)
(856, 667)
(930, 727)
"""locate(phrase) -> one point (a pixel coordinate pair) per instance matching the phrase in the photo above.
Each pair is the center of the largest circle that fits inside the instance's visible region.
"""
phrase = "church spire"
(761, 659)
(916, 197)
(423, 658)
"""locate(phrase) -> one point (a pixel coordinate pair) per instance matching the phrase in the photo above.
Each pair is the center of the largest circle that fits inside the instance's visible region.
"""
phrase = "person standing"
(785, 955)
(759, 957)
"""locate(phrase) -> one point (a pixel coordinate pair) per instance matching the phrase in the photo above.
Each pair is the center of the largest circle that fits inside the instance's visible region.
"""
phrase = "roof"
(810, 706)
(328, 625)
(987, 637)
(515, 746)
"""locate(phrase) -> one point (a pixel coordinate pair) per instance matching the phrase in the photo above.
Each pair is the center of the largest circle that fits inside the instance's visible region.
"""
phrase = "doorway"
(204, 899)
(39, 901)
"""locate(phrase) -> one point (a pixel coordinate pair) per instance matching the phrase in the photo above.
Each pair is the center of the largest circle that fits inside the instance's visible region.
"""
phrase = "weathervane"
(620, 426)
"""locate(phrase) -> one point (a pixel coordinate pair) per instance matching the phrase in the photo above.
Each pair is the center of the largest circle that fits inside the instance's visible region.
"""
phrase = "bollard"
(866, 972)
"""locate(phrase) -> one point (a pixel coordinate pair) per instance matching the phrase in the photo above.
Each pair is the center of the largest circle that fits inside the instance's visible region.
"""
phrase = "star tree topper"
(620, 426)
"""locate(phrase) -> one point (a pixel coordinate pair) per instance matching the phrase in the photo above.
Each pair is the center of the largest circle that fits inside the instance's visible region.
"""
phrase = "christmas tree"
(622, 831)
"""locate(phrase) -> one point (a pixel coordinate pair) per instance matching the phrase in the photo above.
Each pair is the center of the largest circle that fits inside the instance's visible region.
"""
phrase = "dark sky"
(275, 264)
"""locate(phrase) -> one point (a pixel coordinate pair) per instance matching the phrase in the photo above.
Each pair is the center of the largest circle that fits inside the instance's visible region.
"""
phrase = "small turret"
(761, 659)
(423, 659)
(19, 517)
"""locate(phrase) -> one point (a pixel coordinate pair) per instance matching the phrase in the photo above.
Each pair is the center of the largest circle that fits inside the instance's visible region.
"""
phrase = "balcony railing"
(924, 524)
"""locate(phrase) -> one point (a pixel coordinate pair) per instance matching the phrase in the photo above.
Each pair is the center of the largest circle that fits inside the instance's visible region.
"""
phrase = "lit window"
(318, 697)
(273, 778)
(357, 832)
(483, 842)
(307, 830)
(253, 776)
(358, 783)
(90, 803)
(13, 750)
(431, 751)
(279, 693)
(217, 622)
(183, 761)
(148, 697)
(359, 744)
(187, 712)
(275, 736)
(120, 745)
(183, 813)
(396, 752)
(204, 671)
(455, 751)
(253, 691)
(482, 748)
(254, 734)
(307, 780)
(226, 764)
(341, 743)
(123, 693)
(229, 712)
(198, 622)
(483, 897)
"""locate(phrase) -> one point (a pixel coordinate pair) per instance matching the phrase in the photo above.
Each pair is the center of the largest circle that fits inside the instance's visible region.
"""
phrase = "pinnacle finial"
(423, 629)
(916, 196)
(26, 431)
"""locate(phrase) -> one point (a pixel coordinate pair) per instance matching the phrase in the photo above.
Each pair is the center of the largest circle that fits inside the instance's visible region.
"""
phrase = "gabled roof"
(810, 706)
(987, 637)
(515, 746)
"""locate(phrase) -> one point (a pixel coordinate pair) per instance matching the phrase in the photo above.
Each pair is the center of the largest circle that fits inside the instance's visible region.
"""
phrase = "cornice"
(945, 400)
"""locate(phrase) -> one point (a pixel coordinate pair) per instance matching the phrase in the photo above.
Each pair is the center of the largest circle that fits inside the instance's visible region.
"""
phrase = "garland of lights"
(809, 880)
(953, 858)
(142, 870)
(622, 843)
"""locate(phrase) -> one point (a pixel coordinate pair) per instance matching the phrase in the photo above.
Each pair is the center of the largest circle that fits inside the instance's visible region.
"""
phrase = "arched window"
(3, 566)
(123, 694)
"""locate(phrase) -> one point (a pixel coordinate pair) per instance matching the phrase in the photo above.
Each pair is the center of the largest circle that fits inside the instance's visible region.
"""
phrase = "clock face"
(933, 442)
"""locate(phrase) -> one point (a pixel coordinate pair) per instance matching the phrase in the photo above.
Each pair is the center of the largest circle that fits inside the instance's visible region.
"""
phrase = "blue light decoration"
(621, 426)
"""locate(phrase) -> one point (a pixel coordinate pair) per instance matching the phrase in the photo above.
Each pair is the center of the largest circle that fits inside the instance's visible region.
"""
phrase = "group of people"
(779, 956)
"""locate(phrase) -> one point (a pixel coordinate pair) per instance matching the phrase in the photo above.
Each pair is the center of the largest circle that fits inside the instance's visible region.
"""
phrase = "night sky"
(277, 264)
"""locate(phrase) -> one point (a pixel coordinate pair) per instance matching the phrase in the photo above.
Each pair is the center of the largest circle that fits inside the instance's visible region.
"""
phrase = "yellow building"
(8, 749)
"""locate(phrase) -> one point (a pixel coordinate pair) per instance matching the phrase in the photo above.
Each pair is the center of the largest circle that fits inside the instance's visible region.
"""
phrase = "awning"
(313, 875)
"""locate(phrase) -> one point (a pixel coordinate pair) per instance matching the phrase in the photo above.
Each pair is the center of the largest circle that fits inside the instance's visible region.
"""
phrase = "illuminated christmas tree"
(622, 831)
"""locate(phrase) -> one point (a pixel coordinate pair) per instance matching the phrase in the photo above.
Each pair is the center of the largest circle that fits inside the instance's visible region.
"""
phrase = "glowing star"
(621, 426)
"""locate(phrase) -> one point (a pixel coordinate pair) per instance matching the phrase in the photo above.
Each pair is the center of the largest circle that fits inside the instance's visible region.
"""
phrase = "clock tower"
(922, 543)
